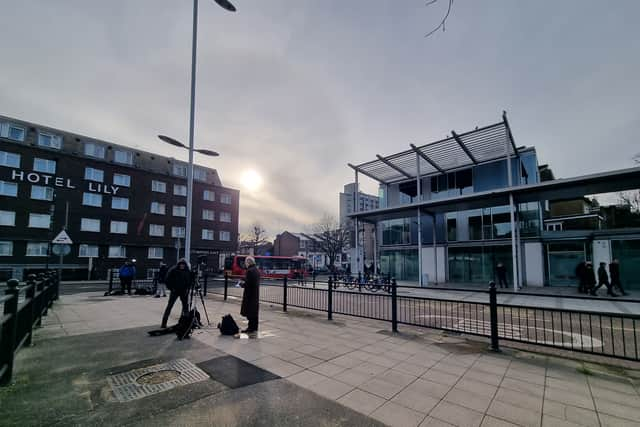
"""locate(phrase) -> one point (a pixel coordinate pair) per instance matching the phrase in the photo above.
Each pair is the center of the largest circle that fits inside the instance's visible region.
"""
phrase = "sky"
(296, 89)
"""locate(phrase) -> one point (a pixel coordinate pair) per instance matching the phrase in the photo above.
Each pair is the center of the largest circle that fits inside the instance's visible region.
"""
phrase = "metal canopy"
(455, 152)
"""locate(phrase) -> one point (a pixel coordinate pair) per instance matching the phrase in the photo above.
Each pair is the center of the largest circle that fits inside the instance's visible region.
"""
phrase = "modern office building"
(451, 210)
(115, 202)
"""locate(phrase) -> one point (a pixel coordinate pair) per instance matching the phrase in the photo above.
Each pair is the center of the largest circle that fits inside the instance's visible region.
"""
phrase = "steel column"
(356, 205)
(419, 197)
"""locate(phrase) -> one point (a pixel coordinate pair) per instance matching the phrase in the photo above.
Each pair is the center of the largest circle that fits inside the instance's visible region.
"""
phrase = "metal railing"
(600, 333)
(22, 314)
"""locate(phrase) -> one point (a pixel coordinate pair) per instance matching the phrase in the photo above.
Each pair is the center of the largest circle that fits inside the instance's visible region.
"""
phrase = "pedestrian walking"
(614, 272)
(251, 295)
(162, 277)
(178, 280)
(501, 272)
(581, 274)
(603, 279)
(590, 278)
(127, 273)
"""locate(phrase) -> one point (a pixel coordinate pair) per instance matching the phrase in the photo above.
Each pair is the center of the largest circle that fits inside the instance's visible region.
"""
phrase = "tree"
(256, 236)
(331, 237)
(631, 198)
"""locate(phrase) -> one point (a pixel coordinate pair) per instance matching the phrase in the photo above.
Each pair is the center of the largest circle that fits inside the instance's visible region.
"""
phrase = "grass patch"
(584, 370)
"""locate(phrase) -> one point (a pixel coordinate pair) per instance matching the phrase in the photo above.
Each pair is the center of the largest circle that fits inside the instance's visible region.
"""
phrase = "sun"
(251, 180)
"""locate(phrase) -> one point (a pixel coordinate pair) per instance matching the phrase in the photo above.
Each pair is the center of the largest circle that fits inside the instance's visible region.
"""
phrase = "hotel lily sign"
(56, 181)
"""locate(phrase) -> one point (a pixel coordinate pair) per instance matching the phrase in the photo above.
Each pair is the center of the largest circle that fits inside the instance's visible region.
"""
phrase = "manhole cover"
(158, 377)
(143, 382)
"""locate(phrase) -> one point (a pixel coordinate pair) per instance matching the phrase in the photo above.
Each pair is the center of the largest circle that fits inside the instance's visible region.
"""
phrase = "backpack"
(187, 323)
(228, 326)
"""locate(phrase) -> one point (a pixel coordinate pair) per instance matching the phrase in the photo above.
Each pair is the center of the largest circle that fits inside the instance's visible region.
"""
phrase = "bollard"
(111, 272)
(7, 350)
(394, 305)
(284, 295)
(493, 311)
(330, 299)
(226, 285)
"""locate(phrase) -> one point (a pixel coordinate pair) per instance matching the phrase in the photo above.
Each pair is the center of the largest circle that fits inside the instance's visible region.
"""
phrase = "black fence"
(606, 334)
(23, 311)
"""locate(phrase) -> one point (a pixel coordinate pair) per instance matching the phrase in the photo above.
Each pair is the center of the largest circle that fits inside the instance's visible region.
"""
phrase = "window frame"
(173, 211)
(225, 198)
(10, 245)
(4, 157)
(155, 183)
(182, 235)
(123, 253)
(222, 215)
(33, 215)
(40, 244)
(87, 246)
(129, 156)
(180, 186)
(88, 193)
(154, 256)
(116, 222)
(47, 190)
(47, 162)
(206, 232)
(52, 138)
(13, 223)
(159, 204)
(96, 148)
(114, 198)
(86, 230)
(220, 234)
(213, 215)
(128, 184)
(151, 226)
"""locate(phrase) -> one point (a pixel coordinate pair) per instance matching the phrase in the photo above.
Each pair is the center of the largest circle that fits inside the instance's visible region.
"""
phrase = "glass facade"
(628, 254)
(563, 258)
(477, 264)
(401, 264)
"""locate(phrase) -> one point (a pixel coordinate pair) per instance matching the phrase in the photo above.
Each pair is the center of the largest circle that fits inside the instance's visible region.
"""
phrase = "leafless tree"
(332, 238)
(443, 22)
(631, 198)
(256, 236)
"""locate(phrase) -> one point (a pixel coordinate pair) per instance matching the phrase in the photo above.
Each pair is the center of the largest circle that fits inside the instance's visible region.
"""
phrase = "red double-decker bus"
(275, 267)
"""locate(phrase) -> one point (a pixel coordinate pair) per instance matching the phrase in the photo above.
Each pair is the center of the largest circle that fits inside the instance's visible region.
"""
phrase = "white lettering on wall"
(34, 178)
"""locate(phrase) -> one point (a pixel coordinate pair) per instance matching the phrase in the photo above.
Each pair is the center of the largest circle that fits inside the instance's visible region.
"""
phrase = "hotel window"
(225, 198)
(121, 180)
(90, 199)
(37, 248)
(49, 140)
(225, 217)
(158, 186)
(39, 192)
(156, 230)
(121, 203)
(225, 236)
(9, 189)
(156, 253)
(158, 208)
(94, 150)
(178, 232)
(179, 169)
(44, 165)
(9, 160)
(179, 190)
(39, 220)
(124, 157)
(117, 252)
(208, 214)
(207, 234)
(8, 218)
(92, 174)
(6, 248)
(179, 210)
(118, 227)
(209, 195)
(200, 174)
(90, 224)
(88, 251)
(11, 131)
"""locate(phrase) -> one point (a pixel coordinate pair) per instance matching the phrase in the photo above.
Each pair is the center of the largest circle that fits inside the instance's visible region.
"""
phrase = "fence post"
(330, 299)
(39, 297)
(226, 285)
(42, 285)
(313, 275)
(30, 294)
(493, 315)
(284, 296)
(9, 331)
(394, 305)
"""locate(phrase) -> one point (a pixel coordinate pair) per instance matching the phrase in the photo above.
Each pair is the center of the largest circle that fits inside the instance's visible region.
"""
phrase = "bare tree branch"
(444, 20)
(256, 236)
(331, 237)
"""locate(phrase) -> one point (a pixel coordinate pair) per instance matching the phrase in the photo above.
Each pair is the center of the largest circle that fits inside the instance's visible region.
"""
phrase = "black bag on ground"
(228, 326)
(187, 323)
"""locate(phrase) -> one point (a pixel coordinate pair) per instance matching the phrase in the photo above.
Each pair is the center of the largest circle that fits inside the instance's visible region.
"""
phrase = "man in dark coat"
(614, 272)
(251, 295)
(603, 279)
(581, 274)
(501, 272)
(178, 281)
(127, 273)
(589, 277)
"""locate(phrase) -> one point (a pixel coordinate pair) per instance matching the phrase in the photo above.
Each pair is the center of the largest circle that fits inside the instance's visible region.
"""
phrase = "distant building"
(367, 231)
(248, 248)
(305, 245)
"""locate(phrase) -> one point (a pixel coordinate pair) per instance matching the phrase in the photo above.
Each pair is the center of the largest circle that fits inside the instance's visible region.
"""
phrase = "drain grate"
(143, 382)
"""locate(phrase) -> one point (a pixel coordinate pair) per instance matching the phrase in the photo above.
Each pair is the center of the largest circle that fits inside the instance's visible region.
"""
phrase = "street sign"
(61, 250)
(62, 238)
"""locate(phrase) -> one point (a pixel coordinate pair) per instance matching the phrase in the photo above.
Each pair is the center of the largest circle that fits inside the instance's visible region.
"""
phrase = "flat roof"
(480, 145)
(559, 189)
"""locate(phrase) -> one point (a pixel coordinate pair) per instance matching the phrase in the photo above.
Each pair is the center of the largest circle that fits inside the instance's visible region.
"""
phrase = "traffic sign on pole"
(62, 239)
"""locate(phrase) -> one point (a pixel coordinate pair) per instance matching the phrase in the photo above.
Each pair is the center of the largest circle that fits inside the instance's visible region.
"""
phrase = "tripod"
(196, 289)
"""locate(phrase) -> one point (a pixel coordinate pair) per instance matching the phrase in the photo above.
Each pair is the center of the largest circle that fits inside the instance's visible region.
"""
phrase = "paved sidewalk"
(417, 378)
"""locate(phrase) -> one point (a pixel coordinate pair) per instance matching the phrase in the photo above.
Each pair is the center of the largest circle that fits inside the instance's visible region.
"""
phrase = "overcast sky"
(296, 89)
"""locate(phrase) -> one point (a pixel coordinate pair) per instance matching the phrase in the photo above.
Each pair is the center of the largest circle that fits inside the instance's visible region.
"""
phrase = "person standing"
(501, 272)
(614, 272)
(127, 272)
(581, 274)
(251, 295)
(178, 280)
(603, 279)
(162, 277)
(589, 278)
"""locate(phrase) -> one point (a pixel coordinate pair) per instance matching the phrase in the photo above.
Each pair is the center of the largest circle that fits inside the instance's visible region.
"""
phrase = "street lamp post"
(225, 4)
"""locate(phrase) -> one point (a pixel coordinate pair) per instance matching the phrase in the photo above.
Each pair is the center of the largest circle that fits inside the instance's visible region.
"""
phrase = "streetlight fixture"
(225, 4)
